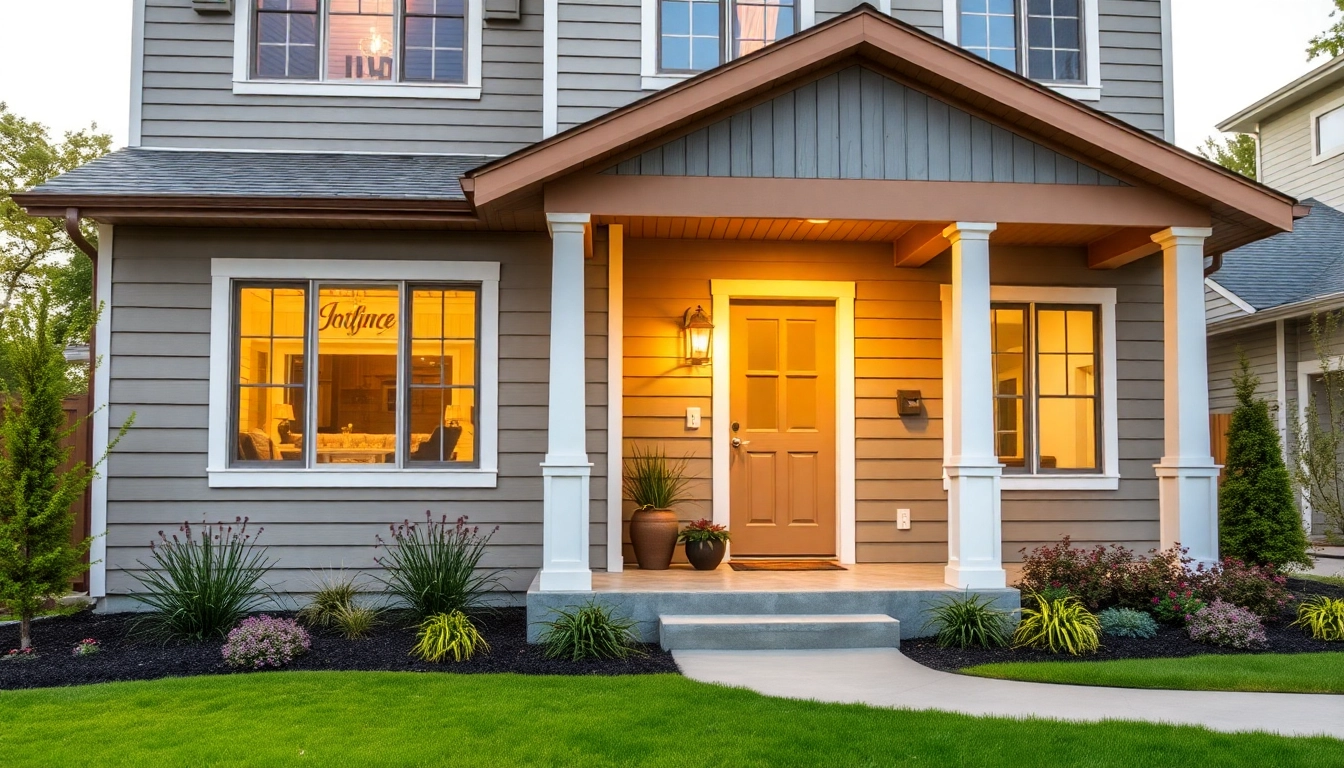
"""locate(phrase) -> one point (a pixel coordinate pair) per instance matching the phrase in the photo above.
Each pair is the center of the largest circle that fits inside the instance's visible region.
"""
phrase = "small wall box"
(212, 6)
(909, 402)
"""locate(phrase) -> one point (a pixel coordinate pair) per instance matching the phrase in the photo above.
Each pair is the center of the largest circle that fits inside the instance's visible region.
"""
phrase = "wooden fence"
(76, 409)
(1219, 423)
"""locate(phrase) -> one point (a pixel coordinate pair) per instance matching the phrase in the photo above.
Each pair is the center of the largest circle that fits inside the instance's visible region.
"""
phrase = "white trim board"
(1316, 115)
(722, 293)
(136, 114)
(224, 271)
(653, 80)
(1090, 88)
(1109, 477)
(615, 394)
(1305, 370)
(244, 84)
(1236, 300)
(102, 380)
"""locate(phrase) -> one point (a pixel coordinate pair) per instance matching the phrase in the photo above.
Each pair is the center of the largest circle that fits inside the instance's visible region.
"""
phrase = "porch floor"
(863, 577)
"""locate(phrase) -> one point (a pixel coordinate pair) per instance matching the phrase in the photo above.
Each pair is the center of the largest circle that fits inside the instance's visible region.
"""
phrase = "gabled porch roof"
(1154, 176)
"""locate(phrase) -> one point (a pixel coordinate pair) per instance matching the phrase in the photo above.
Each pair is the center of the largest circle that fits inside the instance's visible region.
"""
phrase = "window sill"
(1060, 482)
(1079, 92)
(659, 82)
(1327, 155)
(369, 90)
(344, 477)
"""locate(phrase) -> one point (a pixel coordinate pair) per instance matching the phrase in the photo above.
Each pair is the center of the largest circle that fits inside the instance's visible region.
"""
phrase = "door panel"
(782, 398)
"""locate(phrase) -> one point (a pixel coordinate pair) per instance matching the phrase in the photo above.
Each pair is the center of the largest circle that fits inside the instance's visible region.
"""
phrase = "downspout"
(1214, 265)
(82, 243)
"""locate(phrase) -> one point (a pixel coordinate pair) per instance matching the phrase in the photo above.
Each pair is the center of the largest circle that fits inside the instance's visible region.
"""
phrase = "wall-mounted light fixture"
(698, 333)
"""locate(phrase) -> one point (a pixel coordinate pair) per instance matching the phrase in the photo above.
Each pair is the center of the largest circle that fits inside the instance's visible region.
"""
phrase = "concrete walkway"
(884, 677)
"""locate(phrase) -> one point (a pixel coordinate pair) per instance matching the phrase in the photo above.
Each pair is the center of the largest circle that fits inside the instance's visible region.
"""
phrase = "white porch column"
(1187, 476)
(566, 470)
(974, 514)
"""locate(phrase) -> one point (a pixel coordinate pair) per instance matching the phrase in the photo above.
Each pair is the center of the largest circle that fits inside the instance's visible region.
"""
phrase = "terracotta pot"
(706, 555)
(653, 535)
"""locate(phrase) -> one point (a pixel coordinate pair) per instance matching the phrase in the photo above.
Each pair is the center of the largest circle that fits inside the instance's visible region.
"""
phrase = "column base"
(974, 529)
(565, 521)
(1188, 500)
(974, 578)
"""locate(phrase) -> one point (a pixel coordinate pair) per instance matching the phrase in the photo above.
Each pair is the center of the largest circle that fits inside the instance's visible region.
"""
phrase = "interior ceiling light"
(818, 221)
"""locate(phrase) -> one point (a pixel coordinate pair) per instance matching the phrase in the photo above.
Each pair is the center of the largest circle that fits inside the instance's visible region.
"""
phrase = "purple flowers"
(1228, 625)
(261, 641)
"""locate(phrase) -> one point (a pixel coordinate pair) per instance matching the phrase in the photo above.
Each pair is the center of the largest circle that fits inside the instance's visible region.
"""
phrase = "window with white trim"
(1330, 132)
(696, 35)
(383, 42)
(338, 373)
(1042, 39)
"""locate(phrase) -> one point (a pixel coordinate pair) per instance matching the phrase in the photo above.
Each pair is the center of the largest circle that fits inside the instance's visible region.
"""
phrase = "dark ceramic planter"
(706, 555)
(653, 536)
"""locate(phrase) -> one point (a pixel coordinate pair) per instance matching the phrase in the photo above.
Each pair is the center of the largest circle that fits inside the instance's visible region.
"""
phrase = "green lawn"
(1336, 580)
(1282, 673)
(408, 719)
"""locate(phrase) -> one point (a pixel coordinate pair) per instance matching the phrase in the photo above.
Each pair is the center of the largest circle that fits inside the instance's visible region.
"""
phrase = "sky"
(76, 55)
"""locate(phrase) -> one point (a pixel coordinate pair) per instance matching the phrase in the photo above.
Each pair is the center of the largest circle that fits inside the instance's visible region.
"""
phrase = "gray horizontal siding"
(1285, 151)
(1258, 344)
(1219, 307)
(159, 370)
(858, 124)
(189, 99)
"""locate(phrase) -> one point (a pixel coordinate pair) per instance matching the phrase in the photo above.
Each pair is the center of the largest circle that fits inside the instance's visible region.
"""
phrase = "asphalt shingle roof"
(1291, 267)
(268, 174)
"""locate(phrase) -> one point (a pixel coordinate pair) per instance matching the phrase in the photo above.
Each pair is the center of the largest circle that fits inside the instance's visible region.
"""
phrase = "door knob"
(738, 442)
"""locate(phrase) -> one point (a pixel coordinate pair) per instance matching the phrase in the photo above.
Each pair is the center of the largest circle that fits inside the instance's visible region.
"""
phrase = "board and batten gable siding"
(1286, 152)
(188, 99)
(599, 55)
(859, 124)
(160, 369)
(898, 345)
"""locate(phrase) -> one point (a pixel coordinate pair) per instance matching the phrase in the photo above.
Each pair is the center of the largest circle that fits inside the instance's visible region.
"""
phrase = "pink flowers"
(16, 654)
(86, 647)
(261, 641)
(1228, 625)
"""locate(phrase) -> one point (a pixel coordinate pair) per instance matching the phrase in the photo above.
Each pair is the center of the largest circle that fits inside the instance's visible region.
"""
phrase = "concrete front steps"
(748, 632)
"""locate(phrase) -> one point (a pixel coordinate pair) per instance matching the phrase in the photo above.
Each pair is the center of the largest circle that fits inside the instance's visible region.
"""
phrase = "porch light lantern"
(698, 332)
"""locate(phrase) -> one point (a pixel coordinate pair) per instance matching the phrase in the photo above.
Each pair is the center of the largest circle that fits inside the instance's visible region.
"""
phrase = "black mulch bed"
(124, 656)
(1171, 642)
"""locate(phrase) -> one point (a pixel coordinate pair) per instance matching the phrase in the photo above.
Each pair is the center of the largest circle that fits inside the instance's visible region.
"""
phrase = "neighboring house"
(1263, 297)
(353, 272)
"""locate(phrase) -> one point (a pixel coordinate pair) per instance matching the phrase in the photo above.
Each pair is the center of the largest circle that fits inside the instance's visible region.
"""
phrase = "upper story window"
(1042, 39)
(363, 41)
(1328, 130)
(696, 35)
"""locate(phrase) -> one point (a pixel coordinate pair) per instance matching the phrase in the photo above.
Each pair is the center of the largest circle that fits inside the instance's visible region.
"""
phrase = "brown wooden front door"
(782, 399)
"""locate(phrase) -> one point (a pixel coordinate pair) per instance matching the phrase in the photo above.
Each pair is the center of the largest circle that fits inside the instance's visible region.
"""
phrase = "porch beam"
(918, 246)
(974, 512)
(566, 470)
(1122, 248)
(1187, 474)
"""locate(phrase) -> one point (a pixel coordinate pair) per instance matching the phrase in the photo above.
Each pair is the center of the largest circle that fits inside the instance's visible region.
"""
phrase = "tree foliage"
(37, 558)
(1331, 41)
(1318, 436)
(1257, 518)
(1235, 153)
(36, 251)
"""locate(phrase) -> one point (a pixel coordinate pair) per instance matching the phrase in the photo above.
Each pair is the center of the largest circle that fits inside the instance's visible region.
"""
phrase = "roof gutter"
(1214, 265)
(77, 236)
(1327, 303)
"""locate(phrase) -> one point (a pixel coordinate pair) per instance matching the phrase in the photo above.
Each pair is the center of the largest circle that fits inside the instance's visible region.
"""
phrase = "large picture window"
(363, 41)
(1046, 387)
(1041, 39)
(696, 35)
(384, 394)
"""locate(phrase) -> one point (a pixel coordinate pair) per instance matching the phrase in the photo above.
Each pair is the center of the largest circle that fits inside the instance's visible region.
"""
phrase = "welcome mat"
(786, 565)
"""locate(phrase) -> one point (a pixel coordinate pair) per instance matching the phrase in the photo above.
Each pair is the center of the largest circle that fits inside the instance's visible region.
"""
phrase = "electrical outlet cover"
(902, 519)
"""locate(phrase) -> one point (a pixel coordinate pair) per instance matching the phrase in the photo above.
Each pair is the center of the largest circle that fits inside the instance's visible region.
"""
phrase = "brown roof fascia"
(129, 208)
(922, 58)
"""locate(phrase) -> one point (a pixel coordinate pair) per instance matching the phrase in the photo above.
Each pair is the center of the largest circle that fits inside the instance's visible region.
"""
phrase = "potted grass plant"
(706, 544)
(655, 484)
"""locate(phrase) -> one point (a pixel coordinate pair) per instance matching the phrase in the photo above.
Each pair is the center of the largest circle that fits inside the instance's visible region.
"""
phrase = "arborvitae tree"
(1258, 521)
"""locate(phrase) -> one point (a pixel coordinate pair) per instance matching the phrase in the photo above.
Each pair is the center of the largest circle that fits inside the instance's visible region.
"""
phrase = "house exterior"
(370, 258)
(1262, 300)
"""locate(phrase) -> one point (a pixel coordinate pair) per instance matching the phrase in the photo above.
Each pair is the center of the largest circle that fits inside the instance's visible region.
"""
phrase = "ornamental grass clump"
(262, 641)
(1127, 622)
(1058, 626)
(969, 621)
(589, 632)
(1226, 625)
(449, 634)
(354, 621)
(433, 567)
(654, 481)
(199, 586)
(334, 591)
(1322, 617)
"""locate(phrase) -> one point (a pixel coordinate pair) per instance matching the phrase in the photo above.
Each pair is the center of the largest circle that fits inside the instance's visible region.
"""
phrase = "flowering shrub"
(703, 530)
(86, 647)
(432, 566)
(1257, 588)
(20, 655)
(1176, 607)
(1084, 574)
(1143, 579)
(1227, 625)
(261, 641)
(1127, 622)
